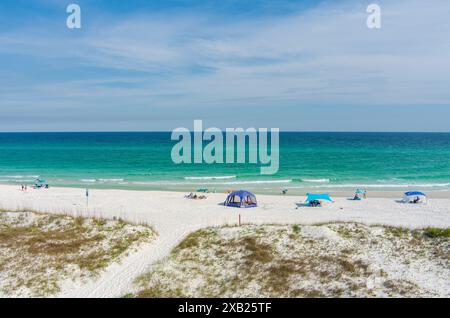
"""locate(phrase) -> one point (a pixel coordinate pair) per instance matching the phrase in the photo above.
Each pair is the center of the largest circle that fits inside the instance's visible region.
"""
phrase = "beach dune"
(173, 217)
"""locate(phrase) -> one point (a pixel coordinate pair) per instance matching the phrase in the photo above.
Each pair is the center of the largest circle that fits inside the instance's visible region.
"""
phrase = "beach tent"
(318, 197)
(241, 199)
(360, 194)
(40, 183)
(415, 197)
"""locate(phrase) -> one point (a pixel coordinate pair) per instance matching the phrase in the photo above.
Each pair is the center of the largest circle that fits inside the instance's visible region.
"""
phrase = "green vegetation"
(284, 261)
(397, 231)
(430, 232)
(433, 232)
(192, 239)
(38, 250)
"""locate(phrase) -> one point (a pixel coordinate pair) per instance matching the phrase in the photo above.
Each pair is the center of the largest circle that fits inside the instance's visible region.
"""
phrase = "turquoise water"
(308, 162)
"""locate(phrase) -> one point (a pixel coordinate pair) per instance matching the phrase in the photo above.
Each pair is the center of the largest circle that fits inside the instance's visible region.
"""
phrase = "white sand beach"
(173, 217)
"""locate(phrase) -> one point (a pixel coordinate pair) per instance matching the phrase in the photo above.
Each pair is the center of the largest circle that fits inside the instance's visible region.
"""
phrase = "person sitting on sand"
(195, 196)
(416, 200)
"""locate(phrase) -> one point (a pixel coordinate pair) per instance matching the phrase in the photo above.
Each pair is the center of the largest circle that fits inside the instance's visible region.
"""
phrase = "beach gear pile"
(241, 199)
(360, 194)
(40, 183)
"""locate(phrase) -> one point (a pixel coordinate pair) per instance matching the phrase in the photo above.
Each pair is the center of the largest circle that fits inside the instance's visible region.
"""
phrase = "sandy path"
(173, 217)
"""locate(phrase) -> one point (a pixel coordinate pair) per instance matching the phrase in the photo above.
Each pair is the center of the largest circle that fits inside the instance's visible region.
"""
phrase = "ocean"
(309, 162)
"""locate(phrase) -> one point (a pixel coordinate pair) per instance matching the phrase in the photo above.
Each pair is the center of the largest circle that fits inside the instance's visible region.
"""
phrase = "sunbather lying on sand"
(195, 196)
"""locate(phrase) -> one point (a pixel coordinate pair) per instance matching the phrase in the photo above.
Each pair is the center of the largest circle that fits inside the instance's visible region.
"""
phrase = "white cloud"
(321, 56)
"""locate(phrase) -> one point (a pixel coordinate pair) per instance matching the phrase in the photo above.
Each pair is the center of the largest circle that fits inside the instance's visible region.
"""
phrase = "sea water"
(309, 161)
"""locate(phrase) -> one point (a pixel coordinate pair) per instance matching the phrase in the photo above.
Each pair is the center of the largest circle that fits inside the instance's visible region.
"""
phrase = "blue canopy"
(411, 193)
(415, 197)
(323, 196)
(241, 199)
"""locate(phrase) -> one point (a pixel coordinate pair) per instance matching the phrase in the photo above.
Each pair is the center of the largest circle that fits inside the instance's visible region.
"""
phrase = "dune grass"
(38, 251)
(289, 261)
(433, 232)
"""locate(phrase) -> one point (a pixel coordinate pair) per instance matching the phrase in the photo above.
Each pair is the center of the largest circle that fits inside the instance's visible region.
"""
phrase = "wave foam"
(332, 186)
(88, 180)
(316, 180)
(111, 180)
(19, 177)
(210, 178)
(259, 181)
(177, 183)
(101, 180)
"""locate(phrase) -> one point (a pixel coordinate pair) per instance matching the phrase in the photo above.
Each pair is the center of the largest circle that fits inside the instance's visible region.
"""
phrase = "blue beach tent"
(318, 197)
(241, 199)
(415, 197)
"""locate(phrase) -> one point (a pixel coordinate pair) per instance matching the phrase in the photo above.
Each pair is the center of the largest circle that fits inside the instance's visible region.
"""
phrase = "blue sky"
(158, 65)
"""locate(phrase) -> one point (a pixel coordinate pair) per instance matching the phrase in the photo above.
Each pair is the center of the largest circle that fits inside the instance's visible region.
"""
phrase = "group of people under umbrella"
(246, 199)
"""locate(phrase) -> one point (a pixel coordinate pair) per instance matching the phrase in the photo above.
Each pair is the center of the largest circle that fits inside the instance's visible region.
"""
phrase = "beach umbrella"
(415, 197)
(317, 197)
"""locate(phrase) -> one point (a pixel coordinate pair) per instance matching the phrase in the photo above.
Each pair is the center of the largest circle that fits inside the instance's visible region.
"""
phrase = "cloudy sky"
(157, 65)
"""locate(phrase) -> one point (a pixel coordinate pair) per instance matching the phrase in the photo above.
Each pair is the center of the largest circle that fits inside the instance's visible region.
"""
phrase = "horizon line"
(169, 131)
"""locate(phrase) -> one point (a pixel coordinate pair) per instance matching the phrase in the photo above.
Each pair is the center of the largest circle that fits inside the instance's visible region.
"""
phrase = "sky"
(158, 65)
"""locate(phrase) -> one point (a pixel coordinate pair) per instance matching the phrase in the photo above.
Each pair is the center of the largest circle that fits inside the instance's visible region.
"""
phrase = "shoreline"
(334, 192)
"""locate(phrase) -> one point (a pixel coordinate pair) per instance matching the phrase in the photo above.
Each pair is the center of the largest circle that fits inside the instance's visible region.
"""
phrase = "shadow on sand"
(302, 205)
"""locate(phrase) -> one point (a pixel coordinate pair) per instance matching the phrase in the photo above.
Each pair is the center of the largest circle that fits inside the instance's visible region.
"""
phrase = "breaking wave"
(210, 178)
(316, 180)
